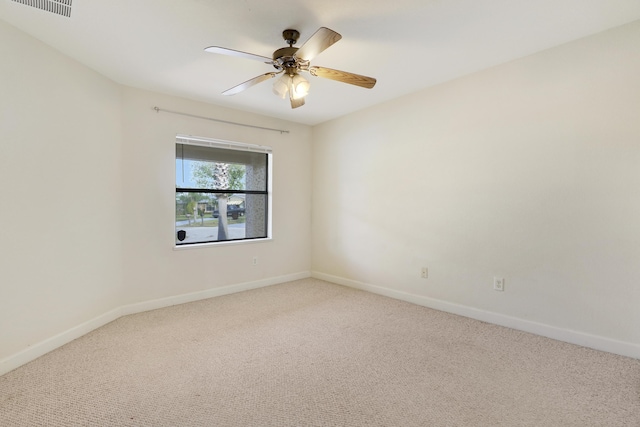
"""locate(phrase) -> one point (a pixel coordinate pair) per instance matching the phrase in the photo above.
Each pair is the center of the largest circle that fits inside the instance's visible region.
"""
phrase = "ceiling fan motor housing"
(284, 57)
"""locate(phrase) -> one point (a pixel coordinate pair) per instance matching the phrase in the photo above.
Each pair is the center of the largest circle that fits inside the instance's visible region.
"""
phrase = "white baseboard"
(210, 293)
(574, 337)
(43, 347)
(33, 352)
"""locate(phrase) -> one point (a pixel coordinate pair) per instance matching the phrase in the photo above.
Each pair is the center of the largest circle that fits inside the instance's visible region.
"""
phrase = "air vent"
(60, 7)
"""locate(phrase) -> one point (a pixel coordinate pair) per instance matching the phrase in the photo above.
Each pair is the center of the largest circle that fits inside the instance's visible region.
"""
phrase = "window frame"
(233, 146)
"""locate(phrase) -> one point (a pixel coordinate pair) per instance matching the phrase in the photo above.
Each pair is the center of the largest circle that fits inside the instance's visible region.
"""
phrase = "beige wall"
(529, 171)
(60, 258)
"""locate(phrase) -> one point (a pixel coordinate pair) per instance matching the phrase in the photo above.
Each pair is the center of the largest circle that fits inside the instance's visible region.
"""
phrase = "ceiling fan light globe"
(281, 86)
(299, 86)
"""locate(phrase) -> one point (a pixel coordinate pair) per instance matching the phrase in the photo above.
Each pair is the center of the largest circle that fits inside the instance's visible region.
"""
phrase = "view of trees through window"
(219, 200)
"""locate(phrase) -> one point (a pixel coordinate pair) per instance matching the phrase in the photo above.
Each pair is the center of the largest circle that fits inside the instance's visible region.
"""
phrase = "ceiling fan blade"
(295, 103)
(238, 54)
(318, 42)
(343, 76)
(246, 85)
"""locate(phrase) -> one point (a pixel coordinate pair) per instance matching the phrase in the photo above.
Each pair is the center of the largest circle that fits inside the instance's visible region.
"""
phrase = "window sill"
(215, 244)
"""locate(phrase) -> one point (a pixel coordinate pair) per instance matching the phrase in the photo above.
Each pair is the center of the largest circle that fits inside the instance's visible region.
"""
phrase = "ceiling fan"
(290, 61)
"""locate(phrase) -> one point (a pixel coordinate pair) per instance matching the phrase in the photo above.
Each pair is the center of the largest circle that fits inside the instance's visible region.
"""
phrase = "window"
(222, 191)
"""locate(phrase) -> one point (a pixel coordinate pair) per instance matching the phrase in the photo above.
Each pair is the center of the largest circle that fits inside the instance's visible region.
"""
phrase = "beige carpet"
(310, 353)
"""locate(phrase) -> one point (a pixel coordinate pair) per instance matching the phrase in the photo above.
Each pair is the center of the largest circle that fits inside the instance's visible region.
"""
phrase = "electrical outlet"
(424, 273)
(255, 261)
(498, 284)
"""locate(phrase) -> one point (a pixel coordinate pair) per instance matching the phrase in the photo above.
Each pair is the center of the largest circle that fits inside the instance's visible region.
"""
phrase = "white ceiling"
(405, 44)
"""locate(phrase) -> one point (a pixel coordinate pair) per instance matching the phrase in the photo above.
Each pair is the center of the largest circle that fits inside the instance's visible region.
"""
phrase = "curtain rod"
(218, 120)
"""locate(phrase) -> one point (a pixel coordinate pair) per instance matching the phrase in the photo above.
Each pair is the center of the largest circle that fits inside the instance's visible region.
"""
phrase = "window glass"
(221, 194)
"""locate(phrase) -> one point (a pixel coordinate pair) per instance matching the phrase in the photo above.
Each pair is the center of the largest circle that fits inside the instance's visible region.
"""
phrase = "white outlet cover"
(498, 284)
